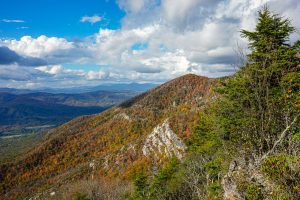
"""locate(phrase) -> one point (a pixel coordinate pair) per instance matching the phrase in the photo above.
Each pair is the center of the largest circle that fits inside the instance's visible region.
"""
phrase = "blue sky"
(59, 18)
(67, 43)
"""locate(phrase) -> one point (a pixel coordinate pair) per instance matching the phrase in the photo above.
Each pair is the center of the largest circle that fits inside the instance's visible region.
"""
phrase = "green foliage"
(159, 186)
(163, 179)
(276, 166)
(264, 91)
(270, 35)
(205, 139)
(297, 136)
(254, 192)
(213, 173)
(285, 171)
(140, 183)
(213, 169)
(214, 189)
(80, 196)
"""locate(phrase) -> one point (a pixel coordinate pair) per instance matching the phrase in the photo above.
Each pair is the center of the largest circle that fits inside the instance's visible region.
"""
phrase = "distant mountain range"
(46, 108)
(54, 106)
(20, 109)
(137, 87)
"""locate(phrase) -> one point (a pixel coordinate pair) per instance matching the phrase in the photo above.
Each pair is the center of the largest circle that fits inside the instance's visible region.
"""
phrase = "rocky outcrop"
(229, 183)
(164, 142)
(244, 170)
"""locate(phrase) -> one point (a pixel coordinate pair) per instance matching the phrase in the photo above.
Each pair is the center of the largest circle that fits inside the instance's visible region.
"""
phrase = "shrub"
(285, 171)
(254, 192)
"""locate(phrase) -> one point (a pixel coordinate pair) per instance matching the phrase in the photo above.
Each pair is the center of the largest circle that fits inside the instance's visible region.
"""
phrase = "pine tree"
(260, 101)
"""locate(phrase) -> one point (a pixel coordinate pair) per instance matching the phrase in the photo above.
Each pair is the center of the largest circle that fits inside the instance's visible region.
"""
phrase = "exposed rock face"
(244, 169)
(229, 184)
(164, 141)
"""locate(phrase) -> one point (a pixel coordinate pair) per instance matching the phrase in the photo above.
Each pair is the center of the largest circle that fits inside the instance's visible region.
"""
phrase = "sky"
(67, 43)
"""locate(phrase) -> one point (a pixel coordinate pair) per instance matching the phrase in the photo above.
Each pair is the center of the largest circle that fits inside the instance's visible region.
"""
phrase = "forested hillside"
(118, 142)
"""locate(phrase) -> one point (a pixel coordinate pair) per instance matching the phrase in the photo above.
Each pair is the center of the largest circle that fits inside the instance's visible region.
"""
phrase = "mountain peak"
(184, 89)
(190, 76)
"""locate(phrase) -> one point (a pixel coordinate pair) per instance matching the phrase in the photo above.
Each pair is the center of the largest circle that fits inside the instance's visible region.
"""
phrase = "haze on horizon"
(68, 43)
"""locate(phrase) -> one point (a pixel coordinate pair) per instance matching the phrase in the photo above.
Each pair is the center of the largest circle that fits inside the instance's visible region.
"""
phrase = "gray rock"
(164, 141)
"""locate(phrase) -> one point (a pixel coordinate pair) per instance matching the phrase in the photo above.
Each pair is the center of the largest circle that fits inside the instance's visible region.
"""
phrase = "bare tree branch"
(282, 135)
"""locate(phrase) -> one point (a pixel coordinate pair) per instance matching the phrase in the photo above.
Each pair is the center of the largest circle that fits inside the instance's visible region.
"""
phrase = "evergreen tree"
(260, 101)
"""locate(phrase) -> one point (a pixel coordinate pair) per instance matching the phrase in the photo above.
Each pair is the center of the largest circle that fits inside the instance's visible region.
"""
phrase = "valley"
(26, 115)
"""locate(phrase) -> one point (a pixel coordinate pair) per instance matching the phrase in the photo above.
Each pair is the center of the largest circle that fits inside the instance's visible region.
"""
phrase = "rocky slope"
(163, 142)
(140, 133)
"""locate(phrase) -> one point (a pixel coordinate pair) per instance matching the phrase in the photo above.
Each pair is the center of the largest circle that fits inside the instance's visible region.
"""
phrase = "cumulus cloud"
(37, 47)
(54, 50)
(91, 19)
(206, 33)
(8, 56)
(158, 40)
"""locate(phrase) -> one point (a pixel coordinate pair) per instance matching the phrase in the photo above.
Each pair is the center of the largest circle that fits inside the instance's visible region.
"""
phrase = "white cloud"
(37, 47)
(131, 5)
(59, 70)
(136, 6)
(12, 21)
(52, 49)
(22, 27)
(176, 36)
(96, 75)
(19, 73)
(55, 69)
(91, 19)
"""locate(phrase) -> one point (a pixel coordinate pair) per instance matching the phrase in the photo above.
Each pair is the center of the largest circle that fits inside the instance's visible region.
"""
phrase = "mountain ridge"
(138, 87)
(113, 139)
